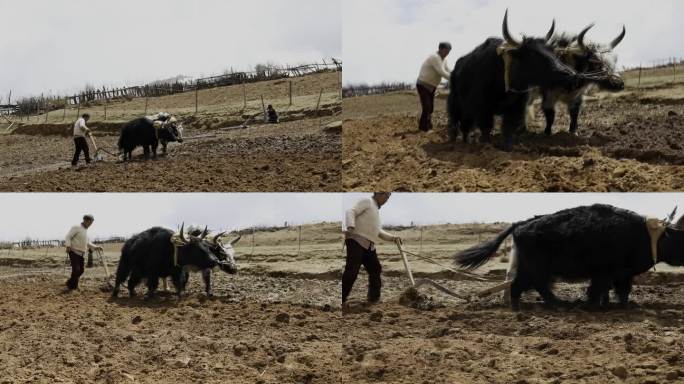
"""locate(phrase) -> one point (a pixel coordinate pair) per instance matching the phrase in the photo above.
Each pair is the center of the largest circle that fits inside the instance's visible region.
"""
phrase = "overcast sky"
(387, 40)
(60, 45)
(49, 216)
(437, 208)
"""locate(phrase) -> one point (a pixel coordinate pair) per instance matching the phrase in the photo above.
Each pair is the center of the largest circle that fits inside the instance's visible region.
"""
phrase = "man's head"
(88, 220)
(444, 49)
(85, 116)
(381, 197)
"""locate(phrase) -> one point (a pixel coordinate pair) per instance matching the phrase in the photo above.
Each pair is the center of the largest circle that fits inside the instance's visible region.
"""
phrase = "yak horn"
(204, 233)
(549, 34)
(217, 237)
(506, 34)
(671, 216)
(182, 236)
(580, 37)
(236, 240)
(618, 39)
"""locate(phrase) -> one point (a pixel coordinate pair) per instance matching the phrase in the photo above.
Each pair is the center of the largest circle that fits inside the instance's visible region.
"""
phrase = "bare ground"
(626, 143)
(291, 156)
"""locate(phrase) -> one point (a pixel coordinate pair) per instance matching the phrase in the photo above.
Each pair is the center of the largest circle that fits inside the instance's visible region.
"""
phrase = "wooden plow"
(421, 282)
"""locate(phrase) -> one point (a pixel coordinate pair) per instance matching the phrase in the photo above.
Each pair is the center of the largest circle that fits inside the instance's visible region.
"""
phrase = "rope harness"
(655, 228)
(504, 50)
(176, 241)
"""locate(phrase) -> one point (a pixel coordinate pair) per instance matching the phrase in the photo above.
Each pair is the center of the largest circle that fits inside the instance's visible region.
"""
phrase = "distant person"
(80, 133)
(363, 231)
(432, 71)
(272, 114)
(77, 244)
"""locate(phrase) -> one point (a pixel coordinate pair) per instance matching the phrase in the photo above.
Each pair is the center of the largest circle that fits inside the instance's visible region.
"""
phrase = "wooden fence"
(33, 106)
(365, 90)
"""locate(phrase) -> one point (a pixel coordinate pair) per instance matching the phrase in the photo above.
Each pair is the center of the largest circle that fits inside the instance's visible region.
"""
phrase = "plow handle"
(406, 263)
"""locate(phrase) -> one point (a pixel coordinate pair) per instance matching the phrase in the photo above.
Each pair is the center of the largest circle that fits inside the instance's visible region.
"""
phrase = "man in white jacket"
(77, 244)
(363, 231)
(432, 71)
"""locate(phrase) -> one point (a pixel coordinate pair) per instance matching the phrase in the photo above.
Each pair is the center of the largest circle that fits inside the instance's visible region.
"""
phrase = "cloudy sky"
(60, 45)
(49, 216)
(436, 208)
(387, 40)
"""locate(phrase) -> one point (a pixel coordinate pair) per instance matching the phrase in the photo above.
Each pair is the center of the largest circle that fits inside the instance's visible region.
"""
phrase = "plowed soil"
(627, 142)
(291, 156)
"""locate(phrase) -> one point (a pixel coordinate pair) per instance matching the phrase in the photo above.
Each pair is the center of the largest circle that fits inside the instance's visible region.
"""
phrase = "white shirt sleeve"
(70, 235)
(440, 67)
(385, 235)
(357, 209)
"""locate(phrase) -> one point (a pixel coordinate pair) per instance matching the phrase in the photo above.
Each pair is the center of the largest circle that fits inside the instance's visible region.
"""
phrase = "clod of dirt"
(136, 320)
(413, 299)
(283, 318)
(376, 316)
(620, 372)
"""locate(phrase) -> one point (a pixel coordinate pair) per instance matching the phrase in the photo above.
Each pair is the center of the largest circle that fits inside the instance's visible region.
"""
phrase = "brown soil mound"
(624, 145)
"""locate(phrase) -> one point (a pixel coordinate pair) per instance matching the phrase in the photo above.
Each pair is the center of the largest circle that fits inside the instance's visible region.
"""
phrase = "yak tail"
(454, 115)
(476, 256)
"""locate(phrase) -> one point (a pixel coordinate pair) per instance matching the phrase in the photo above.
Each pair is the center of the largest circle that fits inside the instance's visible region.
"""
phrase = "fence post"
(420, 251)
(65, 107)
(253, 230)
(78, 110)
(196, 94)
(639, 83)
(299, 241)
(146, 98)
(46, 110)
(674, 70)
(105, 103)
(263, 107)
(290, 92)
(244, 95)
(318, 104)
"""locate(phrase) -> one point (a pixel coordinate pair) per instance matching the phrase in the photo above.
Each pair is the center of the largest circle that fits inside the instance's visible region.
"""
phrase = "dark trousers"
(357, 256)
(427, 102)
(81, 145)
(76, 270)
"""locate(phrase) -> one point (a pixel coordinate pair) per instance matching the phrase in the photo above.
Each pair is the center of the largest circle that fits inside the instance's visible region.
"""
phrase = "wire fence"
(182, 96)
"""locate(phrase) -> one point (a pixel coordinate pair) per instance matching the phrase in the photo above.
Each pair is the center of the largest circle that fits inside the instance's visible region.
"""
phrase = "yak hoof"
(547, 131)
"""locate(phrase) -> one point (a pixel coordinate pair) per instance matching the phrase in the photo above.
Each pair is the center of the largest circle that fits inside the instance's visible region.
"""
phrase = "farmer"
(80, 133)
(77, 244)
(432, 71)
(363, 231)
(272, 114)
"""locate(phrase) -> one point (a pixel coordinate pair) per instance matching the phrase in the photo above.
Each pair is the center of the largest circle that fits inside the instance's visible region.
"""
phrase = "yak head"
(671, 243)
(169, 131)
(596, 61)
(195, 251)
(531, 62)
(225, 253)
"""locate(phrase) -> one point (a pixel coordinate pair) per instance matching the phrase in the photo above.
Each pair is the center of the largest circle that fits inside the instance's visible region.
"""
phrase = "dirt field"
(276, 324)
(300, 154)
(628, 142)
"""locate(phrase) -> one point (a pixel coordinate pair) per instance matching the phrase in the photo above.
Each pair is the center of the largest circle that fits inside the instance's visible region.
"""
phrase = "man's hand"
(68, 249)
(98, 248)
(397, 240)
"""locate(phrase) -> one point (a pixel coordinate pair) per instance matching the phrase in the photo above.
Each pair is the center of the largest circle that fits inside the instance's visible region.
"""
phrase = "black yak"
(597, 60)
(148, 133)
(605, 244)
(496, 79)
(159, 253)
(225, 253)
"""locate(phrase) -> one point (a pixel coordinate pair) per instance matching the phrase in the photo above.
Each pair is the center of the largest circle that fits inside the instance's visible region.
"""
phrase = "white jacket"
(432, 71)
(77, 239)
(364, 217)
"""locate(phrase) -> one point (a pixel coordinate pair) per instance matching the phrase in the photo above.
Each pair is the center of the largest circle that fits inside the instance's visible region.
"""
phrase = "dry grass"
(215, 101)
